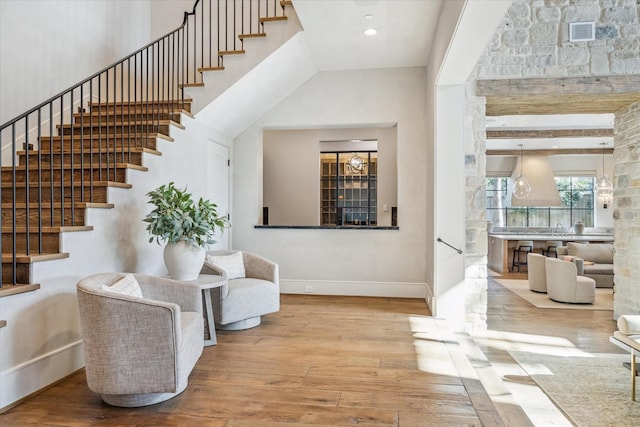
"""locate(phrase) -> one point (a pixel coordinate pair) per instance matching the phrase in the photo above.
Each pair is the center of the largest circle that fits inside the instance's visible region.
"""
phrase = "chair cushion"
(128, 285)
(232, 264)
(598, 269)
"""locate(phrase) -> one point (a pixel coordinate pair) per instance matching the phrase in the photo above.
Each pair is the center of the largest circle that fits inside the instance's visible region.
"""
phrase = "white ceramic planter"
(183, 260)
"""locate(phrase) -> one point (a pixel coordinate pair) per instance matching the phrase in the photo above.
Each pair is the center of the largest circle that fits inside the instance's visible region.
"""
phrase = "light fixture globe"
(604, 186)
(356, 164)
(521, 187)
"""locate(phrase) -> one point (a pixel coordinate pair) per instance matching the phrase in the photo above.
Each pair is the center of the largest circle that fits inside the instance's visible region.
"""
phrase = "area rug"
(604, 297)
(593, 390)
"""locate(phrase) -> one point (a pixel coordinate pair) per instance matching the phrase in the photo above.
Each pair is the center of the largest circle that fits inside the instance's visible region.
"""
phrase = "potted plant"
(186, 226)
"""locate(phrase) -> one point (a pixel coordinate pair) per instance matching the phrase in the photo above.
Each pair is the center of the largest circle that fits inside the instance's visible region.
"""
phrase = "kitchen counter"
(501, 245)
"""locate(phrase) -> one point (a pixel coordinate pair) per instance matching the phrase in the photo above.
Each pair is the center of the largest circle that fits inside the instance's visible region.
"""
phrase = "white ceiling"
(335, 32)
(334, 36)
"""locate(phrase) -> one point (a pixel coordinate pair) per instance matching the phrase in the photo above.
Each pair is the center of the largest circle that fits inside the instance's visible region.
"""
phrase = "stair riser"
(50, 242)
(110, 131)
(141, 107)
(23, 273)
(119, 117)
(34, 217)
(86, 159)
(99, 195)
(98, 174)
(95, 143)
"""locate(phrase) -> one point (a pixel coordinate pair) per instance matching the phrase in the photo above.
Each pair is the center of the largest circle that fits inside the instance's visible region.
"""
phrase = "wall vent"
(582, 31)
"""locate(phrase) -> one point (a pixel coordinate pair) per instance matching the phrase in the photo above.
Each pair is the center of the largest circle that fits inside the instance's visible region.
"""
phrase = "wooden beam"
(548, 133)
(566, 95)
(550, 152)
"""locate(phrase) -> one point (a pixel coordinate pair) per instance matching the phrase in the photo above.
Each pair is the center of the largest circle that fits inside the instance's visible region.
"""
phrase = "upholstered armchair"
(141, 340)
(564, 284)
(252, 290)
(536, 272)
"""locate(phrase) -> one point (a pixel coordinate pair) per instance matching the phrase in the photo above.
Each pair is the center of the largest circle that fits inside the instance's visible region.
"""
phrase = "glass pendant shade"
(604, 187)
(521, 187)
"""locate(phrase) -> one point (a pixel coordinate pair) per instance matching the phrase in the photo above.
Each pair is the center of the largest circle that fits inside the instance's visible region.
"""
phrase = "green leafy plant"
(178, 217)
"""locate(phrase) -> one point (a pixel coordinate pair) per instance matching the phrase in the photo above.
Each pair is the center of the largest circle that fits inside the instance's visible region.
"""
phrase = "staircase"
(65, 163)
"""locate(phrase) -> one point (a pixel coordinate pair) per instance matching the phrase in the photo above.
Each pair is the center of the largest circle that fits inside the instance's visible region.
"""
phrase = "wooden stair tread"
(27, 259)
(49, 229)
(86, 166)
(129, 112)
(67, 205)
(14, 289)
(272, 18)
(251, 35)
(163, 122)
(75, 184)
(202, 69)
(191, 85)
(118, 150)
(231, 52)
(141, 102)
(86, 136)
(284, 3)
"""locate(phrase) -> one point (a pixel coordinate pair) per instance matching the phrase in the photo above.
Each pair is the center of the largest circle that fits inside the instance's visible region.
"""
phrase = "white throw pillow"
(232, 264)
(629, 324)
(128, 285)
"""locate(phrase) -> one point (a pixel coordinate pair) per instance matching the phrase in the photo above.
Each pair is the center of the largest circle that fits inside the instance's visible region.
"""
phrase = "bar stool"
(522, 247)
(552, 248)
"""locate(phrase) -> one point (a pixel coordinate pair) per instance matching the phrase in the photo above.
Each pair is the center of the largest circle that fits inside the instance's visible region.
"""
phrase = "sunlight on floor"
(541, 344)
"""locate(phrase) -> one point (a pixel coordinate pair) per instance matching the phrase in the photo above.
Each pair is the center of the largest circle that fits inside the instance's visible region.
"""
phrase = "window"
(576, 195)
(348, 188)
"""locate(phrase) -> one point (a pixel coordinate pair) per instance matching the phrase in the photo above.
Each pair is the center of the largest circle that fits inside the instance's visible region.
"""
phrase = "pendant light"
(521, 188)
(604, 187)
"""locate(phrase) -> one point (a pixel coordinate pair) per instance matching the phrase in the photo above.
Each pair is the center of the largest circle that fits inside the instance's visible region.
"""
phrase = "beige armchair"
(139, 350)
(564, 284)
(248, 295)
(536, 272)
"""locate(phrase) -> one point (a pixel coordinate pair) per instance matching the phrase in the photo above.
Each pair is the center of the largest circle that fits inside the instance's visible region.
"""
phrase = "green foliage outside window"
(577, 204)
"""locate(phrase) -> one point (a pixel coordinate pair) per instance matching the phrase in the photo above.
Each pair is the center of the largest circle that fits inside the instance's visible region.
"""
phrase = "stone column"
(475, 210)
(626, 211)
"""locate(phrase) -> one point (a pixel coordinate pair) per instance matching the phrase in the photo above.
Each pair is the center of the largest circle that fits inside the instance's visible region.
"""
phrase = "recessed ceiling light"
(368, 16)
(370, 32)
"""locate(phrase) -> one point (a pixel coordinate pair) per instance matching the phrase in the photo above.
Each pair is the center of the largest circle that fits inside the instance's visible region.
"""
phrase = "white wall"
(47, 46)
(366, 262)
(292, 172)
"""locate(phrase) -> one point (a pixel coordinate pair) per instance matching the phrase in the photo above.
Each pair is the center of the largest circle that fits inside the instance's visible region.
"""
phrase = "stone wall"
(533, 40)
(475, 166)
(626, 211)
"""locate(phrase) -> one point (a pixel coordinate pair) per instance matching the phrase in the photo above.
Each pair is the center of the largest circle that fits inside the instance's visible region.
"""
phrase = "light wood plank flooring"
(320, 361)
(333, 361)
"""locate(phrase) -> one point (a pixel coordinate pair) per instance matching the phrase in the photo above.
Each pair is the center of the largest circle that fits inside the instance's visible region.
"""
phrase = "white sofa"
(594, 260)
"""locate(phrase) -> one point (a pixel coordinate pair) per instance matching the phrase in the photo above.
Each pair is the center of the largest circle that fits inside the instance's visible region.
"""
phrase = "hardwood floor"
(333, 361)
(320, 361)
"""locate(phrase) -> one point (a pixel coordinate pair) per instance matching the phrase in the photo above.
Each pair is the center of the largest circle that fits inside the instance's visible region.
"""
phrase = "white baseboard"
(22, 380)
(364, 289)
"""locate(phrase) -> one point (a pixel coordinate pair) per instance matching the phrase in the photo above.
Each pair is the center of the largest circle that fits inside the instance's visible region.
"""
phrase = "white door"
(218, 187)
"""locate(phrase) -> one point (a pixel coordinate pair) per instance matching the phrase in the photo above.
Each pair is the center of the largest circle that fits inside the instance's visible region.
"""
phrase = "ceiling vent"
(582, 31)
